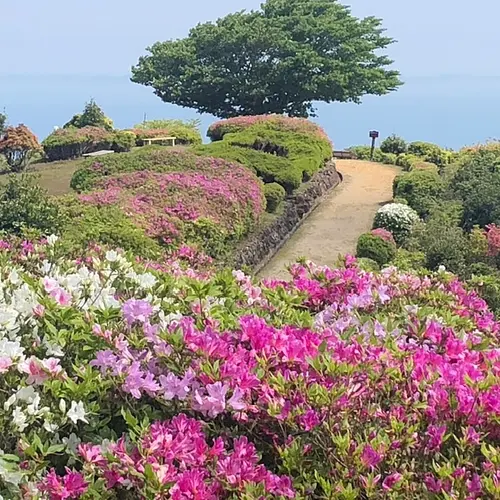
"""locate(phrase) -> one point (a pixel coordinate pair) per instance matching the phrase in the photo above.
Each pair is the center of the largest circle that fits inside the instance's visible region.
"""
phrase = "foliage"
(18, 145)
(275, 195)
(375, 248)
(92, 116)
(443, 245)
(167, 123)
(406, 161)
(477, 186)
(184, 134)
(279, 59)
(25, 205)
(429, 152)
(3, 123)
(68, 143)
(406, 260)
(286, 151)
(394, 144)
(361, 152)
(368, 265)
(123, 141)
(425, 165)
(487, 284)
(176, 197)
(423, 189)
(122, 381)
(278, 123)
(397, 218)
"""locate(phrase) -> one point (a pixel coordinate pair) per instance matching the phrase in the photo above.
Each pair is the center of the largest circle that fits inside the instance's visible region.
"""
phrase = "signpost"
(374, 135)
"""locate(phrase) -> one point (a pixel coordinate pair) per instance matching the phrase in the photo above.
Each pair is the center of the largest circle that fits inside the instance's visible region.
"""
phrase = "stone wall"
(262, 245)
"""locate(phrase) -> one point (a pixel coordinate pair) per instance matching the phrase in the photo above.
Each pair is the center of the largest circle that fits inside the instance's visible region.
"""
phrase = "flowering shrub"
(397, 218)
(18, 145)
(219, 129)
(384, 234)
(210, 208)
(121, 381)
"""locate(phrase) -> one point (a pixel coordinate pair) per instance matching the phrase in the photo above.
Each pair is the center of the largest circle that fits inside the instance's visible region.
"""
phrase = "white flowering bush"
(122, 379)
(397, 218)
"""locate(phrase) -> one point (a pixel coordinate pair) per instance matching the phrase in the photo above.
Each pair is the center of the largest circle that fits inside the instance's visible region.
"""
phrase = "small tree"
(92, 116)
(18, 145)
(3, 123)
(394, 144)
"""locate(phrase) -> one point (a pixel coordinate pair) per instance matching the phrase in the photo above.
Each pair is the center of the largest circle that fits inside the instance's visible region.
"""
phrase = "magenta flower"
(391, 481)
(72, 485)
(369, 457)
(435, 434)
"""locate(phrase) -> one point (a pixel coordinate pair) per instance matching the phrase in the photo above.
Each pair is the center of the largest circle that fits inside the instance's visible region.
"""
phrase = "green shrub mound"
(423, 189)
(287, 158)
(375, 248)
(429, 152)
(275, 195)
(186, 133)
(394, 144)
(71, 142)
(151, 158)
(270, 168)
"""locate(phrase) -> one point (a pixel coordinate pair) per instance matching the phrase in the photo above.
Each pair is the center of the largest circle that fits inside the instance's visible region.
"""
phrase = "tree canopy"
(92, 116)
(280, 59)
(18, 144)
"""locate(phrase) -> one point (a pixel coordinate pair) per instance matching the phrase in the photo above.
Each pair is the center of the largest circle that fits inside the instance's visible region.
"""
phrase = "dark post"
(374, 135)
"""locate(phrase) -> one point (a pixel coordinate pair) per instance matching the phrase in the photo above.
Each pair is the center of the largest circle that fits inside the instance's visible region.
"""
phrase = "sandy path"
(334, 227)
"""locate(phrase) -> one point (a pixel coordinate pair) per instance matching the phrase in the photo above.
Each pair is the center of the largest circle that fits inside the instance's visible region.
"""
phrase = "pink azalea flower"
(5, 364)
(61, 296)
(34, 368)
(370, 458)
(391, 481)
(72, 485)
(137, 311)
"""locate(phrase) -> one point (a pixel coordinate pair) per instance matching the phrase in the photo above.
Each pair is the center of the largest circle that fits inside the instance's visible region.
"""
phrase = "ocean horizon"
(450, 110)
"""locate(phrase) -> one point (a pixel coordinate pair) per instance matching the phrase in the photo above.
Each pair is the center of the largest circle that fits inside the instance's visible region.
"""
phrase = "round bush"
(275, 194)
(375, 248)
(394, 144)
(424, 165)
(397, 218)
(421, 188)
(366, 264)
(361, 152)
(429, 152)
(406, 161)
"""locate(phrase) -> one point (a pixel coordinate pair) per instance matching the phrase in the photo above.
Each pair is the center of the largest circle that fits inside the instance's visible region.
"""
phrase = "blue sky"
(446, 52)
(436, 37)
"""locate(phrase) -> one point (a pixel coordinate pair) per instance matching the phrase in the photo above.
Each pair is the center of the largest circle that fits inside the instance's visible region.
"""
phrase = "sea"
(450, 110)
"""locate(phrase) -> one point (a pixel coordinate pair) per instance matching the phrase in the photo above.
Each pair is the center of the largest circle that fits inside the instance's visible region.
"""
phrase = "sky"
(69, 51)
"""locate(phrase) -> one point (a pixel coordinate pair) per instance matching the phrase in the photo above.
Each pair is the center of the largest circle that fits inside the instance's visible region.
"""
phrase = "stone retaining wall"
(262, 245)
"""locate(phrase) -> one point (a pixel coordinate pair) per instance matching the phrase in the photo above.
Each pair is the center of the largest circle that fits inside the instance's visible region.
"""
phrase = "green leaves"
(277, 60)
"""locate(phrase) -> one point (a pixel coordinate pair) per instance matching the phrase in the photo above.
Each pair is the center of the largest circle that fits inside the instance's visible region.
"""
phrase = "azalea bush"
(123, 379)
(376, 247)
(279, 123)
(397, 218)
(205, 202)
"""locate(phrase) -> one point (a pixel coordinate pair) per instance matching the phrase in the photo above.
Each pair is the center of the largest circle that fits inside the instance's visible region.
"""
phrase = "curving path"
(334, 227)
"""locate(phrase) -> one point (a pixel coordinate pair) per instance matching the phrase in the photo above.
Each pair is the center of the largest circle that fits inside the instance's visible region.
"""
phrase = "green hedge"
(69, 143)
(375, 248)
(275, 194)
(184, 134)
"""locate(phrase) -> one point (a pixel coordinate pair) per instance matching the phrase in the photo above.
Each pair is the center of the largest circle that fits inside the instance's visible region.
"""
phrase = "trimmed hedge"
(184, 134)
(69, 143)
(375, 248)
(275, 194)
(279, 123)
(151, 158)
(287, 158)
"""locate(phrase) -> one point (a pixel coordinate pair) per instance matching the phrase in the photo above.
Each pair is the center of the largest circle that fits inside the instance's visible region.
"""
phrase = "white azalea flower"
(52, 239)
(77, 412)
(27, 394)
(146, 281)
(50, 427)
(19, 419)
(62, 406)
(112, 256)
(72, 442)
(14, 277)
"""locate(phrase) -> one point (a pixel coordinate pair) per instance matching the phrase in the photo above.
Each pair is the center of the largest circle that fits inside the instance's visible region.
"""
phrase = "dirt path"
(334, 227)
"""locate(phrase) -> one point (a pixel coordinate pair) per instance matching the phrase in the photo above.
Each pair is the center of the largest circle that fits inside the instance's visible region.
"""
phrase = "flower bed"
(119, 382)
(204, 202)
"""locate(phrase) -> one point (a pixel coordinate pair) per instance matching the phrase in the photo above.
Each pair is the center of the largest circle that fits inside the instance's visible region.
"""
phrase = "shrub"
(394, 144)
(68, 143)
(25, 205)
(429, 152)
(406, 260)
(278, 123)
(275, 194)
(388, 158)
(375, 248)
(361, 152)
(397, 218)
(384, 234)
(92, 116)
(425, 165)
(178, 198)
(406, 161)
(123, 141)
(368, 265)
(149, 383)
(443, 246)
(487, 285)
(18, 145)
(186, 132)
(421, 188)
(270, 168)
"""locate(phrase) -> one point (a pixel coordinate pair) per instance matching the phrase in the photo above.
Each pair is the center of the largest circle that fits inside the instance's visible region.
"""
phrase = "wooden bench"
(344, 155)
(170, 140)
